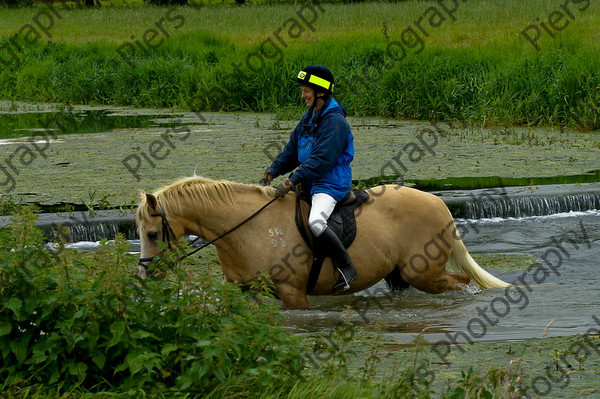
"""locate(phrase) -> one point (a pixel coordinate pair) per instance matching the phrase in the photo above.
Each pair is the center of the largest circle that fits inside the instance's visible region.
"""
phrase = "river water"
(76, 167)
(567, 247)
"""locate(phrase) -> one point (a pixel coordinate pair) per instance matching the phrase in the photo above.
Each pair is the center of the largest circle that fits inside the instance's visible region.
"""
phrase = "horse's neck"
(217, 219)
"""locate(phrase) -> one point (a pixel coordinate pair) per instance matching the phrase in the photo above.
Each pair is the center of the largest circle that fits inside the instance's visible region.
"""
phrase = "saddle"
(341, 222)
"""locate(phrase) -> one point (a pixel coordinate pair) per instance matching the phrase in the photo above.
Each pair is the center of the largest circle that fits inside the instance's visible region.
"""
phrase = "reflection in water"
(20, 124)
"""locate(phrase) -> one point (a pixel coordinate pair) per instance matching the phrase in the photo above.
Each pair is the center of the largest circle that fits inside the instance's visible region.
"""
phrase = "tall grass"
(478, 68)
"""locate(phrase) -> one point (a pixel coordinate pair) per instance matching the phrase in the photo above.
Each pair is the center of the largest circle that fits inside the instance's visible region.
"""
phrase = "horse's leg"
(443, 282)
(461, 277)
(292, 297)
(394, 280)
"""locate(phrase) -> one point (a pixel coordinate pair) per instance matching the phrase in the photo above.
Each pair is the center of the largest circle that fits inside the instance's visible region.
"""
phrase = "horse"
(404, 235)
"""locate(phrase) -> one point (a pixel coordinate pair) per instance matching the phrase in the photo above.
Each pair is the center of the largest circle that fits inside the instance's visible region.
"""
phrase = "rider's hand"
(266, 180)
(284, 188)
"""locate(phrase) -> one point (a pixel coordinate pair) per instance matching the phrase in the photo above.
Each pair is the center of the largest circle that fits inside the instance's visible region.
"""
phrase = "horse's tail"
(461, 261)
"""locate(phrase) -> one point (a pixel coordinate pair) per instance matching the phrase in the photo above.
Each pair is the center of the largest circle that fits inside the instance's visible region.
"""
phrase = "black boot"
(331, 246)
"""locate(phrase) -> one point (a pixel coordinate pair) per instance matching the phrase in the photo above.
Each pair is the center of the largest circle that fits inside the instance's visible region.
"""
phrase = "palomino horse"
(402, 234)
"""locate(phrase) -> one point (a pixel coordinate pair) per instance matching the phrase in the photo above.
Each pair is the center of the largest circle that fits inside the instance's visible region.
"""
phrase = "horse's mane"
(203, 192)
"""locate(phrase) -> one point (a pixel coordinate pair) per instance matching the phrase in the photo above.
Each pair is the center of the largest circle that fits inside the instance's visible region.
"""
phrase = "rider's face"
(308, 94)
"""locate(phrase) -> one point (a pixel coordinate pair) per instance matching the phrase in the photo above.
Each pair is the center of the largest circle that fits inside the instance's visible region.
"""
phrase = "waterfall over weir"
(517, 202)
(531, 206)
(501, 202)
(81, 226)
(97, 231)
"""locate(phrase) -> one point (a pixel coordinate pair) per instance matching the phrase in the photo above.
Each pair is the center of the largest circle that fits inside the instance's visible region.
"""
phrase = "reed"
(479, 67)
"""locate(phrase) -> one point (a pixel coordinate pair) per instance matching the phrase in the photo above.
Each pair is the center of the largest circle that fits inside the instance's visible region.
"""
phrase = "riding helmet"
(316, 76)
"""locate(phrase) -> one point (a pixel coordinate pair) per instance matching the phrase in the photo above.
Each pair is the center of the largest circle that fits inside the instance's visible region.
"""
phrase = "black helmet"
(316, 76)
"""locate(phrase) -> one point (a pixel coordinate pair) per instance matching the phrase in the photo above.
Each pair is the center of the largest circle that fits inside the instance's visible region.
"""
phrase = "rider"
(320, 149)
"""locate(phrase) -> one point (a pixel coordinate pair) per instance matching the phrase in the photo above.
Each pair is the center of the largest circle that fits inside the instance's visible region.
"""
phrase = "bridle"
(166, 235)
(167, 231)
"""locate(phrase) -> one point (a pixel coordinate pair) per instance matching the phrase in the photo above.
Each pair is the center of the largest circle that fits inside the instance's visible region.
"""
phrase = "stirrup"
(347, 286)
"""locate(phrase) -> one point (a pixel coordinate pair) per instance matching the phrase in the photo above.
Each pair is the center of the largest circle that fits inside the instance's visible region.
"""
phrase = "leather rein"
(167, 231)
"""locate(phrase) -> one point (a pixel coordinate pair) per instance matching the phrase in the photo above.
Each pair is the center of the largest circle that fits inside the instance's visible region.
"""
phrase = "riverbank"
(413, 60)
(565, 367)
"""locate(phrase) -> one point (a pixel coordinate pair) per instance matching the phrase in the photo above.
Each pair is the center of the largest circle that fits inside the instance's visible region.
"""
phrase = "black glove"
(284, 188)
(266, 180)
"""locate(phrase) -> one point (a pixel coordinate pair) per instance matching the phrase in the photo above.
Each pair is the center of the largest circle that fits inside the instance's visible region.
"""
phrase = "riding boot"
(331, 245)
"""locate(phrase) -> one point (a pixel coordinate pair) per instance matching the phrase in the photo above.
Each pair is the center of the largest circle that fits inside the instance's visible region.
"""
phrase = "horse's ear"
(152, 202)
(150, 199)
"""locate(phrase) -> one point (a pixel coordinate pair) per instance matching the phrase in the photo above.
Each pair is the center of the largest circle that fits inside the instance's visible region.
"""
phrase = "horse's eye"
(153, 235)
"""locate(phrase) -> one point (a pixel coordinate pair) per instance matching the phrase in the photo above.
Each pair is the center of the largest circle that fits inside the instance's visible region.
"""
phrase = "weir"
(517, 202)
(532, 206)
(499, 202)
(81, 226)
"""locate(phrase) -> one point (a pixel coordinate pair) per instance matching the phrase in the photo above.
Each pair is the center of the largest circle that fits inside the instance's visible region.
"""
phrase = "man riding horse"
(320, 150)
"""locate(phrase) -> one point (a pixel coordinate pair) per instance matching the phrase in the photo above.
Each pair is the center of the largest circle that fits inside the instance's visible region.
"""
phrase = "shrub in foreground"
(85, 321)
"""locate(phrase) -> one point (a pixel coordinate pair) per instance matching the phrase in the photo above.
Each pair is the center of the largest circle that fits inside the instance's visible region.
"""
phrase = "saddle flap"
(336, 217)
(342, 222)
(302, 212)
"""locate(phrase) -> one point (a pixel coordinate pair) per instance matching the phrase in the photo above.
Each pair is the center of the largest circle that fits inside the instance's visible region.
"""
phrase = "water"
(569, 299)
(238, 146)
(14, 124)
(538, 206)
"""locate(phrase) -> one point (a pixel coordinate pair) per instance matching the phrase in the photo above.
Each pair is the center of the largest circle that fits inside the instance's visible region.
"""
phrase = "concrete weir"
(522, 201)
(498, 202)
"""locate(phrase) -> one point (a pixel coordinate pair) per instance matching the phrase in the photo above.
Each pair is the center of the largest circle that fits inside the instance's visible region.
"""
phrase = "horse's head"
(153, 228)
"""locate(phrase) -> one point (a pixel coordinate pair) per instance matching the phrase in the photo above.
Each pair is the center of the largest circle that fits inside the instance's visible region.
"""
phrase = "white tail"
(462, 262)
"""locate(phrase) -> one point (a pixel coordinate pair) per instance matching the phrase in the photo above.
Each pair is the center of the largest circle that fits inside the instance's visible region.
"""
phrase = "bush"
(70, 320)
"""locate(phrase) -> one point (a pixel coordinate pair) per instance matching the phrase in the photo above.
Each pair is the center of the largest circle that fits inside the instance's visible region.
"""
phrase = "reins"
(166, 228)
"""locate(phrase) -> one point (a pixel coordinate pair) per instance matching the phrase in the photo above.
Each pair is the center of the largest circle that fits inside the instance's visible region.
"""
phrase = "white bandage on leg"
(322, 207)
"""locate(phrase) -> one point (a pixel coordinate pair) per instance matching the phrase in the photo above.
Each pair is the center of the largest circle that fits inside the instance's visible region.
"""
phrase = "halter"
(167, 230)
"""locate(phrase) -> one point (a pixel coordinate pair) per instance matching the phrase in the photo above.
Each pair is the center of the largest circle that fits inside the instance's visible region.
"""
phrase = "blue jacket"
(320, 149)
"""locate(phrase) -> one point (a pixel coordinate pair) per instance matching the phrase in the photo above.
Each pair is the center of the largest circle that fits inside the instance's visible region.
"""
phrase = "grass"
(461, 73)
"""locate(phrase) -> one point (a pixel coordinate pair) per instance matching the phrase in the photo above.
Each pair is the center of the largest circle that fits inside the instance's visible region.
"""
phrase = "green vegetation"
(70, 321)
(78, 324)
(477, 68)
